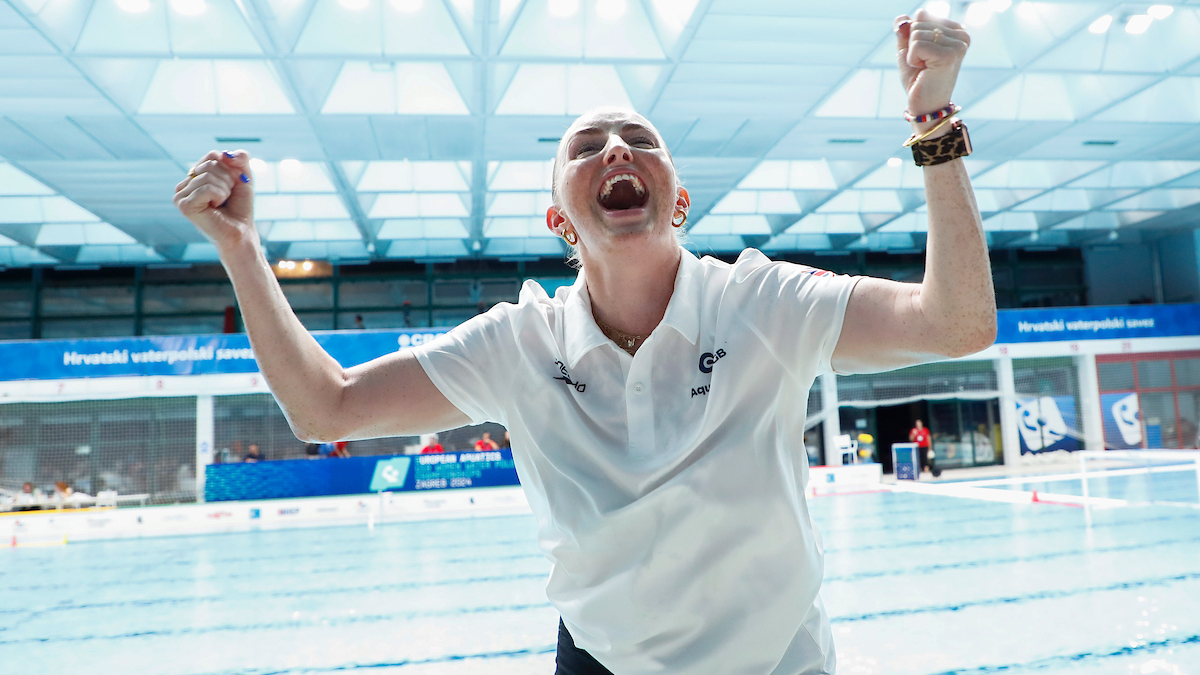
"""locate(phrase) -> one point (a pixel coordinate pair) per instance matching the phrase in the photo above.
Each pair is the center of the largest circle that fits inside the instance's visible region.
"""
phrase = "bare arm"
(391, 395)
(952, 312)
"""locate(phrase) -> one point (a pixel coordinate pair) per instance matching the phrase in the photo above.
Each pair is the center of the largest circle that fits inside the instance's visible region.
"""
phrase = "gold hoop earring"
(570, 237)
(679, 219)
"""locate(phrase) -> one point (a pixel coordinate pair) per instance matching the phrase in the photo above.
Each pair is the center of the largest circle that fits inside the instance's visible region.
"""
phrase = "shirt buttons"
(638, 388)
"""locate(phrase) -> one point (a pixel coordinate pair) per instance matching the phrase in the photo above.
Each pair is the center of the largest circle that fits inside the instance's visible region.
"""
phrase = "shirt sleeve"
(469, 363)
(795, 309)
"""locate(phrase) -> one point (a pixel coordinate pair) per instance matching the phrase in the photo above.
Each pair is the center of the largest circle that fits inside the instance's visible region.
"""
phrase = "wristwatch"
(943, 148)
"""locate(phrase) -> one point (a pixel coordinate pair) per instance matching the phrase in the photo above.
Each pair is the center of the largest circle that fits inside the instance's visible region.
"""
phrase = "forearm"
(307, 382)
(956, 296)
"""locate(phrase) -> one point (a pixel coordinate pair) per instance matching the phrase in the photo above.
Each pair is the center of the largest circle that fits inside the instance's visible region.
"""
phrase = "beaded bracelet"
(933, 116)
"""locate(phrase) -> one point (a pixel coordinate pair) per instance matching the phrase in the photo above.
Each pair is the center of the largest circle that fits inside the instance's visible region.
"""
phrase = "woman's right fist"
(218, 197)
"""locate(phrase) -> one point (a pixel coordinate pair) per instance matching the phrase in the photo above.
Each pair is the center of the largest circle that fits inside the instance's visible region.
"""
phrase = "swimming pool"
(915, 584)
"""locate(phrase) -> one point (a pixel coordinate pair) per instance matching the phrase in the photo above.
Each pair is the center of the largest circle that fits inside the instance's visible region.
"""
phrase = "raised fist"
(931, 51)
(218, 197)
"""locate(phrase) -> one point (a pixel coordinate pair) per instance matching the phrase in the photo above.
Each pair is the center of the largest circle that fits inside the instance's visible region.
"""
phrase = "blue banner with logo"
(1054, 324)
(182, 354)
(359, 475)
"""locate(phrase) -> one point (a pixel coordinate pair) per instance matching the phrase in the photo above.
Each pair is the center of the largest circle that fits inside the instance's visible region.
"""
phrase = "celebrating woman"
(656, 407)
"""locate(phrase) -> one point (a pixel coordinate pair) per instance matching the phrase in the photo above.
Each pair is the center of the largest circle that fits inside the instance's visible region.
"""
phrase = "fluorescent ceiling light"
(938, 8)
(978, 13)
(895, 162)
(354, 5)
(1101, 25)
(134, 6)
(291, 167)
(999, 5)
(563, 8)
(189, 7)
(1138, 23)
(257, 165)
(1160, 12)
(408, 6)
(610, 10)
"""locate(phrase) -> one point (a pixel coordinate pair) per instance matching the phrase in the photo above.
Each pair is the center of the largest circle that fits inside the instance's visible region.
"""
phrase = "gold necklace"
(627, 341)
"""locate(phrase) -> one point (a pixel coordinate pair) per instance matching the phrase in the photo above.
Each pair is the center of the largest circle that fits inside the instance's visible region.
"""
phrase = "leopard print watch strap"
(943, 148)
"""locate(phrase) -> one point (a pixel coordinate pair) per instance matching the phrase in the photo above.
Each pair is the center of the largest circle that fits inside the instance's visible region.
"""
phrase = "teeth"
(606, 189)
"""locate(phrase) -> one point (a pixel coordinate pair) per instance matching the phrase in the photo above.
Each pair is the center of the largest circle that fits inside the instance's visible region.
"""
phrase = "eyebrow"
(598, 130)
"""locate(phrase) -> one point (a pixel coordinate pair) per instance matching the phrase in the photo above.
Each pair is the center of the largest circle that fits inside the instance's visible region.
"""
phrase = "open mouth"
(623, 192)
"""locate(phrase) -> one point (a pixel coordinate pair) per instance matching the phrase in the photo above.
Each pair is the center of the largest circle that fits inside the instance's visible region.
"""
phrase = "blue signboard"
(182, 354)
(1097, 323)
(358, 475)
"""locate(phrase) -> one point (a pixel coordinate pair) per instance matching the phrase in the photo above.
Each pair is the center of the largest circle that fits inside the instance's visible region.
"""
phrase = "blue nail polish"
(229, 154)
(245, 178)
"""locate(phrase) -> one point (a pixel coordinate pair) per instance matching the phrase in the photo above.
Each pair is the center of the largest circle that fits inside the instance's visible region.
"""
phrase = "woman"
(653, 407)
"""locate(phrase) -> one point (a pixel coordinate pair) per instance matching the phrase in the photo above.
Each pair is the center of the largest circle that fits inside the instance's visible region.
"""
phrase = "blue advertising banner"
(358, 475)
(182, 354)
(1097, 323)
(1047, 424)
(1123, 423)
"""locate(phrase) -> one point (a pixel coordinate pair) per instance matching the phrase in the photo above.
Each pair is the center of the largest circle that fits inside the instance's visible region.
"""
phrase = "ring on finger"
(192, 172)
(937, 35)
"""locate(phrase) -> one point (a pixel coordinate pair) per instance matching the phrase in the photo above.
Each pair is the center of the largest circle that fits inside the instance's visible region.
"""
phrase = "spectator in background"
(358, 322)
(407, 314)
(506, 443)
(253, 454)
(27, 500)
(920, 435)
(340, 449)
(486, 443)
(312, 450)
(433, 446)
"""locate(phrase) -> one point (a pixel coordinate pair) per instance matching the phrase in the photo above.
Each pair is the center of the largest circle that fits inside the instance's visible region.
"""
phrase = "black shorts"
(572, 660)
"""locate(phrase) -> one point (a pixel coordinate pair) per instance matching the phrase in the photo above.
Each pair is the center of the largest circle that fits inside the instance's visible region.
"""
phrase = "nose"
(617, 151)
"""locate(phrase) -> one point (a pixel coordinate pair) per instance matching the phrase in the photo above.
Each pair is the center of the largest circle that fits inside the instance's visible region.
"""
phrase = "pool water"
(915, 584)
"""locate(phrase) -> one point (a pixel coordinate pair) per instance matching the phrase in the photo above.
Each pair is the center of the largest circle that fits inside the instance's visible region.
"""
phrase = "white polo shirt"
(668, 487)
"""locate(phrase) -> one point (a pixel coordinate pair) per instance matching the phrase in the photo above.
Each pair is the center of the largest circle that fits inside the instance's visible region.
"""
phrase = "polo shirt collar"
(581, 334)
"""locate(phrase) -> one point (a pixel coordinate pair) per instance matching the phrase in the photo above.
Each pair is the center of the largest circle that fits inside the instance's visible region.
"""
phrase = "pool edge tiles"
(40, 528)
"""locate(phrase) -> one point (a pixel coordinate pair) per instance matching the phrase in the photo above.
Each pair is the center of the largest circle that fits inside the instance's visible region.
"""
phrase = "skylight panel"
(191, 87)
(388, 89)
(405, 176)
(1011, 221)
(78, 234)
(520, 176)
(112, 30)
(768, 175)
(420, 27)
(334, 29)
(313, 230)
(869, 92)
(619, 29)
(1175, 99)
(827, 223)
(739, 224)
(120, 253)
(562, 90)
(290, 176)
(56, 209)
(1160, 200)
(14, 182)
(737, 201)
(672, 16)
(1135, 174)
(519, 203)
(209, 27)
(516, 227)
(422, 228)
(418, 205)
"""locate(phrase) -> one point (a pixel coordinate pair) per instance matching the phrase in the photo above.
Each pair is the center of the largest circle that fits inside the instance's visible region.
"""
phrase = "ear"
(683, 202)
(557, 221)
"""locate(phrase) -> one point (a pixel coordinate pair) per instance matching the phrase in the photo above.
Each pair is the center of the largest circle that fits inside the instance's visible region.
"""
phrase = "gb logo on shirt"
(707, 359)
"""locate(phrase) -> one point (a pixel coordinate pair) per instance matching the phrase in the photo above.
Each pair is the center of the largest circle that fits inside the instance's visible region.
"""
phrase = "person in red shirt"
(433, 446)
(920, 435)
(486, 443)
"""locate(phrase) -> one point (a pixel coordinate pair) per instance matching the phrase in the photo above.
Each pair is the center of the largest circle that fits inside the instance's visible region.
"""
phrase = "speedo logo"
(566, 377)
(707, 359)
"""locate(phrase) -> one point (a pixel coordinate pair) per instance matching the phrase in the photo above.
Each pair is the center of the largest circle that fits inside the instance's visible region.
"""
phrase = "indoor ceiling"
(423, 129)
